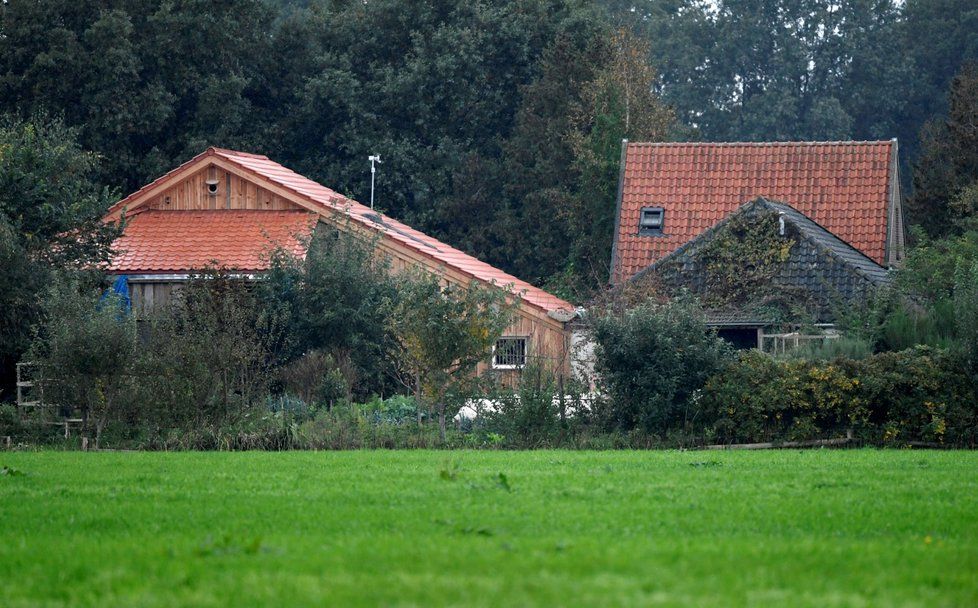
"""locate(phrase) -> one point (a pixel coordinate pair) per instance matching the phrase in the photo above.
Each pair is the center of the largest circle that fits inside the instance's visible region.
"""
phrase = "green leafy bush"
(651, 360)
(917, 395)
(314, 377)
(86, 351)
(529, 416)
(443, 331)
(51, 205)
(208, 358)
(334, 304)
(921, 394)
(966, 312)
(760, 398)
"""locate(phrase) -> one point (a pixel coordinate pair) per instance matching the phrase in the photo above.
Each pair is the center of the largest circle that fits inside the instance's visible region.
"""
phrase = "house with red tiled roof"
(669, 193)
(229, 209)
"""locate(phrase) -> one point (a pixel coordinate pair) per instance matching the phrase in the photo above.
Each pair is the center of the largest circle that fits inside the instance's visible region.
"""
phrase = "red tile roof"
(184, 241)
(329, 201)
(844, 186)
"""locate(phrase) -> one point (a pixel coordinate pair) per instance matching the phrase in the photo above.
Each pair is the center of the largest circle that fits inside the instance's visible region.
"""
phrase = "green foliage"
(207, 359)
(560, 169)
(966, 313)
(145, 83)
(930, 303)
(945, 196)
(928, 272)
(314, 377)
(909, 325)
(651, 360)
(619, 103)
(50, 210)
(335, 302)
(443, 331)
(48, 187)
(773, 70)
(20, 284)
(529, 416)
(834, 348)
(762, 399)
(920, 394)
(763, 70)
(86, 352)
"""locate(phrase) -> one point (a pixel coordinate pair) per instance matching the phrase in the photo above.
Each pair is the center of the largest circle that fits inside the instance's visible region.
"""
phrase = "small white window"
(651, 220)
(509, 353)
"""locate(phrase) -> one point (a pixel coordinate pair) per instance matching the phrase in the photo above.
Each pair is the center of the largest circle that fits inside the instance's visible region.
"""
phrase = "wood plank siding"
(231, 192)
(148, 297)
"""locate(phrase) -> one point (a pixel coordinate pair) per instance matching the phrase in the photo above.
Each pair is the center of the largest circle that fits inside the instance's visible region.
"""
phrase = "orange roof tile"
(185, 241)
(330, 201)
(844, 186)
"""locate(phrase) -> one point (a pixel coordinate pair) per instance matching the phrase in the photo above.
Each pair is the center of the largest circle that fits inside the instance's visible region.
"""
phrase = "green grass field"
(792, 528)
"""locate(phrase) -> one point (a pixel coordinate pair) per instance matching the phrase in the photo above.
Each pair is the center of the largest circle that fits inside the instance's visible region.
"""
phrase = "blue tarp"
(121, 290)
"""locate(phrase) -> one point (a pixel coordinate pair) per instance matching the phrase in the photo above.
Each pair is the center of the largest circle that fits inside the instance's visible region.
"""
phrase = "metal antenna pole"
(373, 158)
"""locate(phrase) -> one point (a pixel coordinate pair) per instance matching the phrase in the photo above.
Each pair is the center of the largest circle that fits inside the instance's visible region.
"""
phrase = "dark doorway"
(741, 338)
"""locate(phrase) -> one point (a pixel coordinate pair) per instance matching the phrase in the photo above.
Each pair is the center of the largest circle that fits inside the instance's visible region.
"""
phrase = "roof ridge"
(763, 144)
(229, 151)
(216, 211)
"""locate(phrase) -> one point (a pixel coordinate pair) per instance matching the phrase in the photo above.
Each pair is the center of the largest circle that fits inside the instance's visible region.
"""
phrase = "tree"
(620, 104)
(207, 358)
(651, 360)
(936, 38)
(335, 301)
(443, 331)
(87, 352)
(539, 172)
(966, 312)
(762, 70)
(945, 193)
(50, 210)
(559, 168)
(146, 84)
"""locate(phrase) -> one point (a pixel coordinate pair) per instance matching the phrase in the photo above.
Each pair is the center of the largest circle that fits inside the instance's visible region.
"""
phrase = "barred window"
(509, 353)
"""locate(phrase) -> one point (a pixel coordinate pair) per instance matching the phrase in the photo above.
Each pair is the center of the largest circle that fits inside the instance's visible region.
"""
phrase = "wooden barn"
(230, 209)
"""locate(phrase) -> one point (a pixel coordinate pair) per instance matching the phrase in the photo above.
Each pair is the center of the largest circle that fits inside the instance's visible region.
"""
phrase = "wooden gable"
(214, 187)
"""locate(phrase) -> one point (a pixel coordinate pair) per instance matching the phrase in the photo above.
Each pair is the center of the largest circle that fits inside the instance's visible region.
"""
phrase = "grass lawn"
(792, 528)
